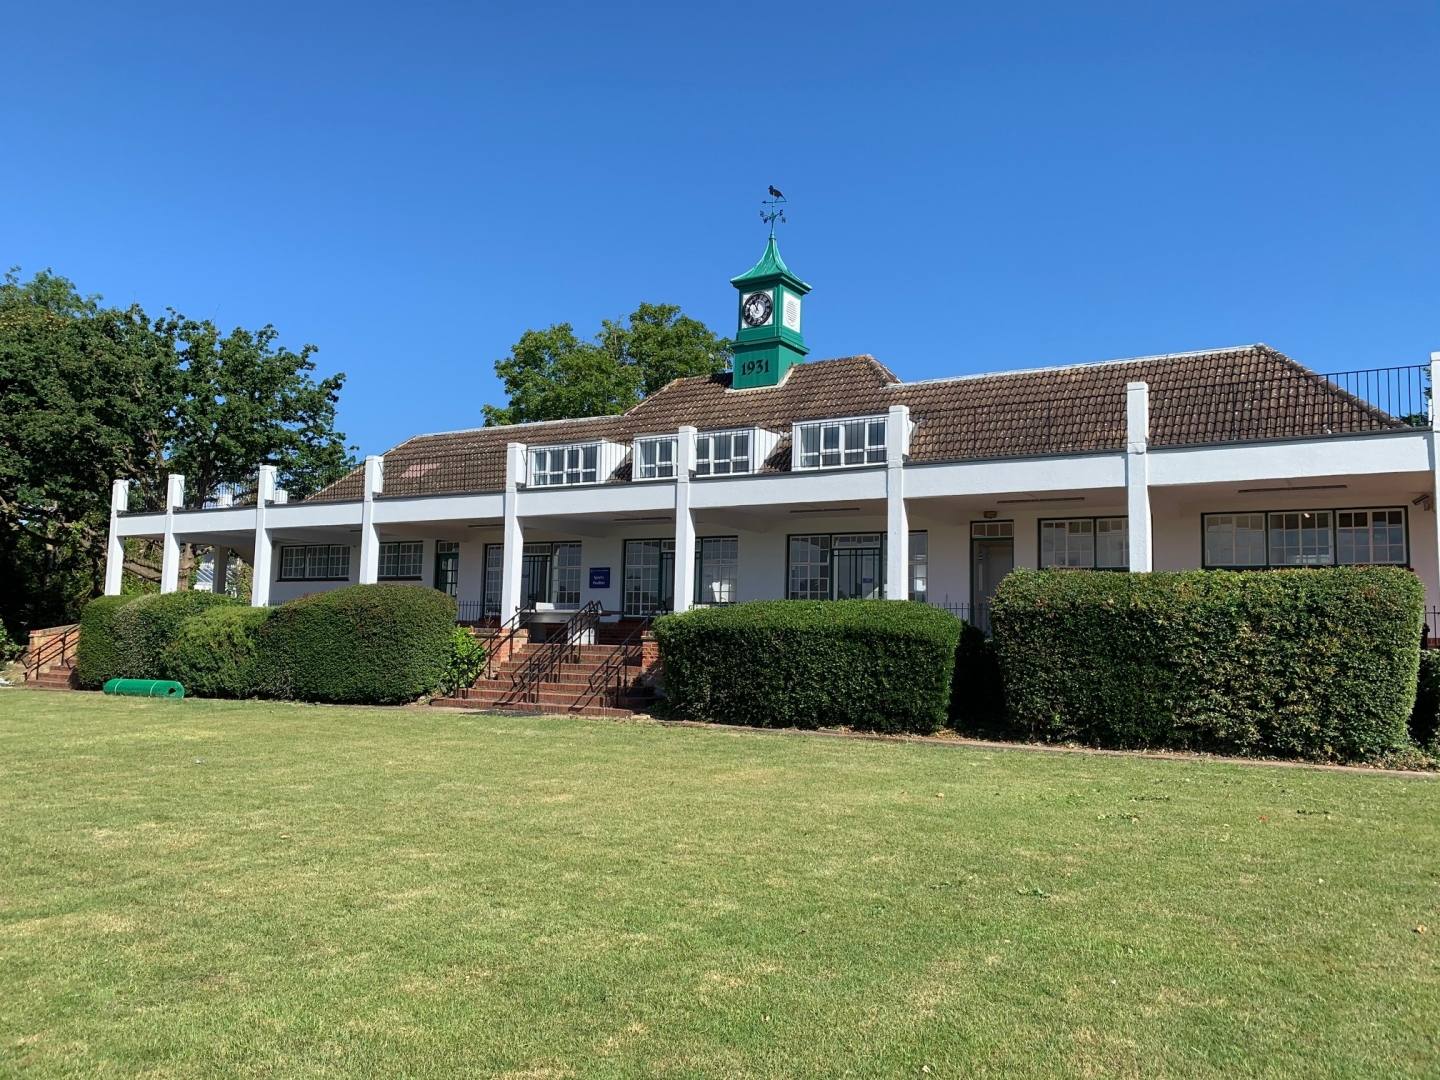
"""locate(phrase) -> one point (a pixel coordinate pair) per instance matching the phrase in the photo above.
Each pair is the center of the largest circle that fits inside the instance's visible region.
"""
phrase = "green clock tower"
(768, 340)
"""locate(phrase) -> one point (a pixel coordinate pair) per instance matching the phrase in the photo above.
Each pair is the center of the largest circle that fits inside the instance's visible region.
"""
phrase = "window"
(316, 562)
(1236, 540)
(1301, 539)
(716, 568)
(565, 575)
(1089, 543)
(919, 566)
(837, 443)
(1370, 536)
(649, 576)
(401, 561)
(657, 459)
(722, 453)
(447, 566)
(494, 570)
(558, 466)
(1306, 538)
(809, 568)
(989, 530)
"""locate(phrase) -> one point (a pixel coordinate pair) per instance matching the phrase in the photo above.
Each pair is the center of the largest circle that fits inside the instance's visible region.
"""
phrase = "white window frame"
(1319, 541)
(566, 465)
(1075, 532)
(656, 450)
(848, 443)
(709, 461)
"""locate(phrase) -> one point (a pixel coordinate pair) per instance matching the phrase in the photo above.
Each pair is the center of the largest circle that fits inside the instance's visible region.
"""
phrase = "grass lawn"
(201, 888)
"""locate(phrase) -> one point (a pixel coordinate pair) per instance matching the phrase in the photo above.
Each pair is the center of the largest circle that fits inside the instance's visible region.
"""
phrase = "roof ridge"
(1091, 364)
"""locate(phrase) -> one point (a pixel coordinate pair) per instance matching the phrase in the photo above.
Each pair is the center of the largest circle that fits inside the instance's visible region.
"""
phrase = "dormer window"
(561, 466)
(722, 453)
(830, 444)
(655, 459)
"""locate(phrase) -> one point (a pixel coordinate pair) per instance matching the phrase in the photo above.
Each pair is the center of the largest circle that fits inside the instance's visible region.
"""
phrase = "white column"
(1137, 476)
(514, 559)
(684, 522)
(1434, 601)
(115, 547)
(897, 520)
(260, 572)
(369, 535)
(170, 547)
(220, 556)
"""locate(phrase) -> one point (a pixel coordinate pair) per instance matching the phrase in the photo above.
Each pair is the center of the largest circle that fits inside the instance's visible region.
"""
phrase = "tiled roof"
(1227, 395)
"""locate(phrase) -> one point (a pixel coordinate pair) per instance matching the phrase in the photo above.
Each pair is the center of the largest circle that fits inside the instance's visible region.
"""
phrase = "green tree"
(89, 394)
(553, 375)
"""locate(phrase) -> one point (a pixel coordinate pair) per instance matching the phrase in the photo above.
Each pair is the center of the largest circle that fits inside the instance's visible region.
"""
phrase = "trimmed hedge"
(214, 653)
(144, 628)
(1309, 663)
(362, 644)
(872, 664)
(1425, 720)
(98, 656)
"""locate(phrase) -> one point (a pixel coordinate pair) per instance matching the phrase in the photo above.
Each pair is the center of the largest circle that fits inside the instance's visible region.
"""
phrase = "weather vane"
(776, 212)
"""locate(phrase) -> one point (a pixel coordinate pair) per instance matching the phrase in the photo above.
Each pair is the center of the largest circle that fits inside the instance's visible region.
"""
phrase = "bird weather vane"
(777, 212)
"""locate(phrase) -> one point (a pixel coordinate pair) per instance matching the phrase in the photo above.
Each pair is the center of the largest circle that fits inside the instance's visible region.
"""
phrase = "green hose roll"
(145, 688)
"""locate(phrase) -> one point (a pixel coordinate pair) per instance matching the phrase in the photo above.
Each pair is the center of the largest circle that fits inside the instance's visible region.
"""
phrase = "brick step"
(556, 700)
(573, 671)
(537, 710)
(52, 683)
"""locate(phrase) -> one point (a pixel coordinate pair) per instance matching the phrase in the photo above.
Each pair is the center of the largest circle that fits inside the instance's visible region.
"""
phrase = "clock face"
(755, 309)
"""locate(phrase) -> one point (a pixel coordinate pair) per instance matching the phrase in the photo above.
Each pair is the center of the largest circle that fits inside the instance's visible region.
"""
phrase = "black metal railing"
(59, 648)
(609, 681)
(227, 495)
(446, 471)
(542, 666)
(503, 639)
(475, 612)
(140, 499)
(977, 614)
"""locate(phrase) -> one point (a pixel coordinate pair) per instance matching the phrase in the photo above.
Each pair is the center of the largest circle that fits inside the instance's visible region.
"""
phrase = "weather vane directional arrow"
(776, 212)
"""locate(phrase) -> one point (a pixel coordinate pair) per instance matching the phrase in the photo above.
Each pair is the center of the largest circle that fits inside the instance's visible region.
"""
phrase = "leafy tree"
(553, 375)
(89, 394)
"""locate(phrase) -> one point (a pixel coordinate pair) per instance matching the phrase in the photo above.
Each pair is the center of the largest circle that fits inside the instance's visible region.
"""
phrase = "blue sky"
(972, 187)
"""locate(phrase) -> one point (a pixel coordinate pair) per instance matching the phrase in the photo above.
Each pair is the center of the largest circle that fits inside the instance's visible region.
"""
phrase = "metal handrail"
(58, 648)
(543, 664)
(612, 670)
(508, 629)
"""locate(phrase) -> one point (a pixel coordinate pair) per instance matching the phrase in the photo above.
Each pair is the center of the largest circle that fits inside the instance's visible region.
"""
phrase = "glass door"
(447, 566)
(535, 576)
(649, 576)
(859, 566)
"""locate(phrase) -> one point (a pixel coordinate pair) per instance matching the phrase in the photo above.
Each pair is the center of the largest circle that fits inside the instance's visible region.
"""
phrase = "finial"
(776, 212)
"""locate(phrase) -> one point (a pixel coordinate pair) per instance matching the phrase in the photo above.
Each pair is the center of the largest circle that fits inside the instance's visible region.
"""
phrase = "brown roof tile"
(1237, 394)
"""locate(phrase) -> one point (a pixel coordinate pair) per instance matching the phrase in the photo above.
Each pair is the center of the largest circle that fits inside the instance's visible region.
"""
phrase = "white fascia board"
(440, 508)
(313, 515)
(597, 499)
(239, 520)
(779, 489)
(1015, 475)
(1363, 455)
(148, 525)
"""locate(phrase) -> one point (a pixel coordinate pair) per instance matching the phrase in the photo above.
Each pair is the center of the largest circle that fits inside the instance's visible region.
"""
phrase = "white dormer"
(733, 451)
(572, 464)
(838, 444)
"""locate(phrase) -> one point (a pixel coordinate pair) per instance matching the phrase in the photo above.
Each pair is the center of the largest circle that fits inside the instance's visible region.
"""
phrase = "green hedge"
(214, 653)
(1313, 663)
(871, 664)
(98, 656)
(144, 628)
(362, 644)
(1425, 719)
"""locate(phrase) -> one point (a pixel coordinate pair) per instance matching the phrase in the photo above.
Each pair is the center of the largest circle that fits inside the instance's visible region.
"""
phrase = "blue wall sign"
(599, 577)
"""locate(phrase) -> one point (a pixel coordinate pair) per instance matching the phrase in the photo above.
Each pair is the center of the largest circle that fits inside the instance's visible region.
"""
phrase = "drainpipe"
(260, 568)
(369, 537)
(170, 547)
(897, 519)
(684, 521)
(115, 546)
(1137, 476)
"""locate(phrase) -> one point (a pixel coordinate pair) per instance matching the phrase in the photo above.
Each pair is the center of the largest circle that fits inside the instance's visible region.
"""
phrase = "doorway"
(992, 556)
(649, 577)
(859, 566)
